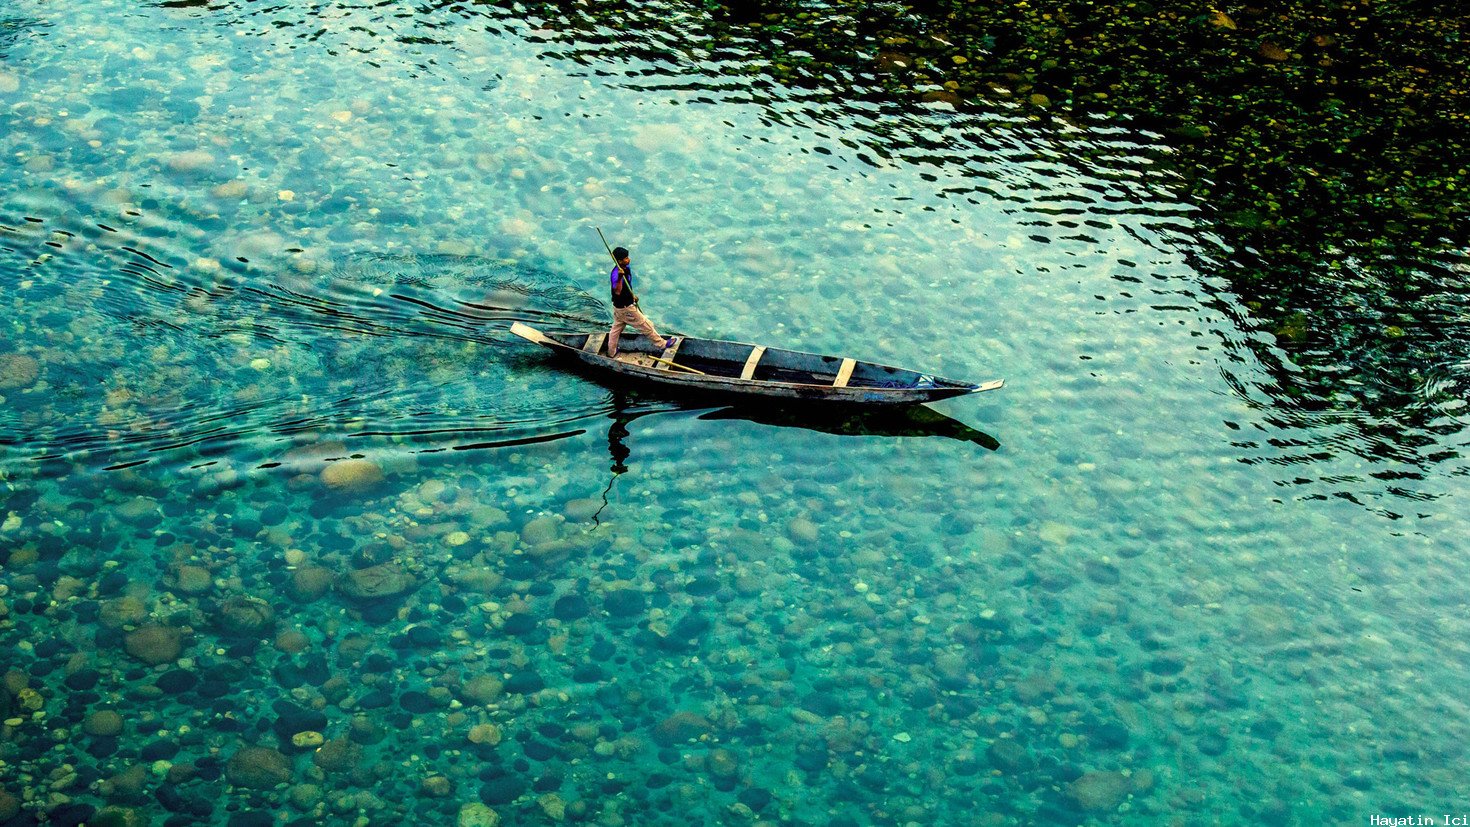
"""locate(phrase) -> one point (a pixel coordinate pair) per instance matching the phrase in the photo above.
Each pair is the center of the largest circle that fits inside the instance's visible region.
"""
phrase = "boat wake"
(140, 356)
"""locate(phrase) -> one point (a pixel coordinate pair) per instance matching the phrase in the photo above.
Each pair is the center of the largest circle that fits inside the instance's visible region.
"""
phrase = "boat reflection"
(910, 420)
(628, 406)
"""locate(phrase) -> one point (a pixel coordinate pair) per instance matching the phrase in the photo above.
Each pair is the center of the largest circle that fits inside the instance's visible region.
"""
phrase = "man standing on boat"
(625, 305)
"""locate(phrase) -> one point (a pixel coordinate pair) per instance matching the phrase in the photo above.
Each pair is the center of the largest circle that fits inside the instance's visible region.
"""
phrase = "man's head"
(621, 254)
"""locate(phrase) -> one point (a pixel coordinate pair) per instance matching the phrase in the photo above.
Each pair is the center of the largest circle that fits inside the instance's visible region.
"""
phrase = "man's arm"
(623, 284)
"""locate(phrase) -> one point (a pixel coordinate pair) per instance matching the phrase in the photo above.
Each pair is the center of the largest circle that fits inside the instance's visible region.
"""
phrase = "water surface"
(273, 466)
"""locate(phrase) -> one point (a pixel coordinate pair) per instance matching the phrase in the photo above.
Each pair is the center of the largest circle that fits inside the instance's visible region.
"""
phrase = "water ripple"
(1364, 362)
(412, 347)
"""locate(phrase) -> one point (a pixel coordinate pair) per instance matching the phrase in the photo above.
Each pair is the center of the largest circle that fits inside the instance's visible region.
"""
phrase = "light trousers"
(630, 315)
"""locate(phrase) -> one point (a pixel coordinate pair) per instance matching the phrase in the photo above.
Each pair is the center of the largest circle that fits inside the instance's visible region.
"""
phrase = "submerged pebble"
(352, 475)
(376, 582)
(476, 814)
(1099, 792)
(258, 768)
(155, 644)
(18, 370)
(103, 723)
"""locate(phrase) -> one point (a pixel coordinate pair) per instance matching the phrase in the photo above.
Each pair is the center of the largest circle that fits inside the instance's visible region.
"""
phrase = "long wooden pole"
(670, 362)
(617, 263)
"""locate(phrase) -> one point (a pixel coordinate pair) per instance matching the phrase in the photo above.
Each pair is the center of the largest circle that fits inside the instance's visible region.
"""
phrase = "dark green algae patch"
(1324, 143)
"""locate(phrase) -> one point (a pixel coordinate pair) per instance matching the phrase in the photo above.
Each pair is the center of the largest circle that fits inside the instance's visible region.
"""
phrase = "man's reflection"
(616, 433)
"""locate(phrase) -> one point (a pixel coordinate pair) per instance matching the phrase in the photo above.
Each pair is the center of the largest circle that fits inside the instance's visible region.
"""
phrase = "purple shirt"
(621, 298)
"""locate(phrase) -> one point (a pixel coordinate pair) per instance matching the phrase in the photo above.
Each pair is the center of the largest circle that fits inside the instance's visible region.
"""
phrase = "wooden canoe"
(739, 368)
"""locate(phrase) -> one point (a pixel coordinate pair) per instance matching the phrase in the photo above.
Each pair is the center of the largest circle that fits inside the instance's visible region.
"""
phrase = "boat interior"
(734, 360)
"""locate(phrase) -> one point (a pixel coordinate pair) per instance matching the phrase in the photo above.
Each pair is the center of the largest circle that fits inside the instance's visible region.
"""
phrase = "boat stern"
(531, 334)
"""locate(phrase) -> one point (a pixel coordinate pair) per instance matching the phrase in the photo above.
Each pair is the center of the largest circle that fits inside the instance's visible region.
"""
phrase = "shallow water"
(273, 465)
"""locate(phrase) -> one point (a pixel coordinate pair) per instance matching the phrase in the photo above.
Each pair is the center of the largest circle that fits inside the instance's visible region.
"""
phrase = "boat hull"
(739, 369)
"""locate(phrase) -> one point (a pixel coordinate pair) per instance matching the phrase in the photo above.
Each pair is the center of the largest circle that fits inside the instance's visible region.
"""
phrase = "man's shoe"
(669, 342)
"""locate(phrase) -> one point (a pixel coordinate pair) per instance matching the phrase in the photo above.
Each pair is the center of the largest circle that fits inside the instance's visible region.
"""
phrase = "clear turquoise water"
(243, 246)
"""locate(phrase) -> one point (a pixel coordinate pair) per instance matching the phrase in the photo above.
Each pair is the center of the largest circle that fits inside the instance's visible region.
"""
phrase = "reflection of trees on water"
(13, 28)
(1326, 161)
(1322, 142)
